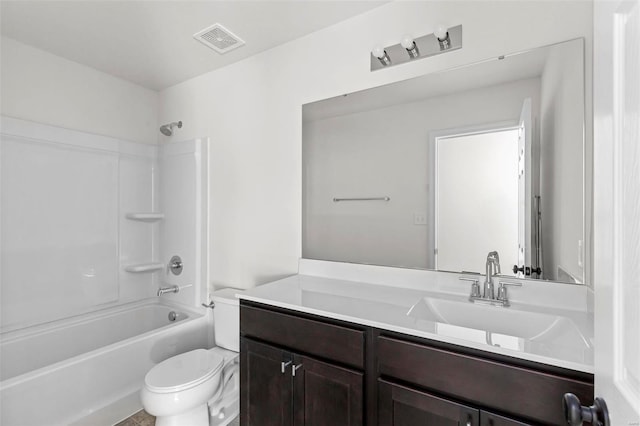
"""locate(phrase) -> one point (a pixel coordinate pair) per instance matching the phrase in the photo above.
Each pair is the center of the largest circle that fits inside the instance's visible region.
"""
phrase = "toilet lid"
(183, 371)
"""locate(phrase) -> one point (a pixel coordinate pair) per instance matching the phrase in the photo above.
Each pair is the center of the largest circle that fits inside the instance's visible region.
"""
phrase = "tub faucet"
(493, 263)
(172, 289)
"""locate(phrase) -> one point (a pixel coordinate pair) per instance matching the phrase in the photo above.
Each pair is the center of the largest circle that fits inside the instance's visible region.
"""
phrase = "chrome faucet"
(493, 269)
(489, 298)
(493, 259)
(172, 289)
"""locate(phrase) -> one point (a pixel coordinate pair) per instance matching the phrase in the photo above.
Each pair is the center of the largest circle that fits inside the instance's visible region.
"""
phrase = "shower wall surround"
(183, 194)
(65, 236)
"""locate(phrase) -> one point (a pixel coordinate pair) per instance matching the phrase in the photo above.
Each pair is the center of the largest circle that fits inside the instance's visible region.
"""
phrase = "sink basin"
(507, 325)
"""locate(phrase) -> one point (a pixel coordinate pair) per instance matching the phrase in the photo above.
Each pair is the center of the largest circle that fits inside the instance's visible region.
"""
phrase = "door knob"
(577, 414)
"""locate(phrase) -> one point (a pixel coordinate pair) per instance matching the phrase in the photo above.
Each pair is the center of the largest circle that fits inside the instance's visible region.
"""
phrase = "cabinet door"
(265, 391)
(402, 406)
(490, 419)
(486, 382)
(325, 394)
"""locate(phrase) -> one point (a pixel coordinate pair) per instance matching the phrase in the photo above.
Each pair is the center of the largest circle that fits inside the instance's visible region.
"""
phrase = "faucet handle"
(502, 290)
(511, 283)
(475, 287)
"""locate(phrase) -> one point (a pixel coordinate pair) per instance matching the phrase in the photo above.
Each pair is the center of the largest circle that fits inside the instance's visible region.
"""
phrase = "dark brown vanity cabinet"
(317, 394)
(266, 392)
(491, 419)
(403, 406)
(400, 405)
(522, 392)
(348, 375)
(296, 371)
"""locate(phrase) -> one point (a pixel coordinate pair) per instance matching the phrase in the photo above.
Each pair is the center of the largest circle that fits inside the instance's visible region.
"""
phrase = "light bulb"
(407, 41)
(441, 32)
(378, 51)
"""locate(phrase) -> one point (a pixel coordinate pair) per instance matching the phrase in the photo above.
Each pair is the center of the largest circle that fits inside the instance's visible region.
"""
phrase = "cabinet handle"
(294, 369)
(284, 365)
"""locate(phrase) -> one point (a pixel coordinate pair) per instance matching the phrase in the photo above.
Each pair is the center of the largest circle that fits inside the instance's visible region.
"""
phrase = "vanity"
(425, 177)
(324, 351)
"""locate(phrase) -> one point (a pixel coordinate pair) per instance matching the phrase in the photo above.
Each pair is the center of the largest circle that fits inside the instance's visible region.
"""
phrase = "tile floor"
(142, 418)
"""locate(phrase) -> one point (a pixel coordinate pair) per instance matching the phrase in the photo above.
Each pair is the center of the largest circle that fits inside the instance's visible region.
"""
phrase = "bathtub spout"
(172, 289)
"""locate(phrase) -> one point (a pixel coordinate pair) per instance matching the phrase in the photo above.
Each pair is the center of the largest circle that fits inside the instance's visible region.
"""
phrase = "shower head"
(167, 129)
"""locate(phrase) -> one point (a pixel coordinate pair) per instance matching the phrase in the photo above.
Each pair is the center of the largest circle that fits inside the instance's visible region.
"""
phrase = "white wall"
(561, 157)
(44, 88)
(252, 112)
(385, 152)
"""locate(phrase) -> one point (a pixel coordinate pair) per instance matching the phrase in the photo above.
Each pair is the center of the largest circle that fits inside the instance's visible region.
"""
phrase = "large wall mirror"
(437, 171)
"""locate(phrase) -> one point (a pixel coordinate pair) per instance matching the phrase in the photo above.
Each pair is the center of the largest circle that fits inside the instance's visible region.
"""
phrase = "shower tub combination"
(81, 325)
(89, 369)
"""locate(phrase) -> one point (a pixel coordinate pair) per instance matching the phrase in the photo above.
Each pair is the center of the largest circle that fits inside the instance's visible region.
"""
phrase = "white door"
(524, 190)
(617, 207)
(468, 222)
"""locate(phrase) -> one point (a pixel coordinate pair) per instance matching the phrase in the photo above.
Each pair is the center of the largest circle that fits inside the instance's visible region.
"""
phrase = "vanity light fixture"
(410, 45)
(442, 35)
(381, 55)
(442, 40)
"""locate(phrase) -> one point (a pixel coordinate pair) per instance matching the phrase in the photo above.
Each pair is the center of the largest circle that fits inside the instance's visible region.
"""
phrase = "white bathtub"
(89, 369)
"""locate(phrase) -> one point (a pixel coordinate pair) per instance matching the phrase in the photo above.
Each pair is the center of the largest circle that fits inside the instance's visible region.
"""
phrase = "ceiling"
(150, 43)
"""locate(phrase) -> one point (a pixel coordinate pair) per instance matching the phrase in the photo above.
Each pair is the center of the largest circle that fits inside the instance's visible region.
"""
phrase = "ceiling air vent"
(218, 38)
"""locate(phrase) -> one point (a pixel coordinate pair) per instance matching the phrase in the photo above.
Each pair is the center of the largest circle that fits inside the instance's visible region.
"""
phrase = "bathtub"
(88, 370)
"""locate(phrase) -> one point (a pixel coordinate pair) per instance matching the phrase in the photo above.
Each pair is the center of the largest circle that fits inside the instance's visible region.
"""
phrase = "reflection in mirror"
(437, 171)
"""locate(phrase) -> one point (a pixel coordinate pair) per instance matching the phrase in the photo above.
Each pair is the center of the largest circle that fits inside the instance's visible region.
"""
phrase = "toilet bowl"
(200, 387)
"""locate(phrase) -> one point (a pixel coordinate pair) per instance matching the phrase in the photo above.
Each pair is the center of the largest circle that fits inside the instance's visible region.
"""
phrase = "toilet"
(200, 387)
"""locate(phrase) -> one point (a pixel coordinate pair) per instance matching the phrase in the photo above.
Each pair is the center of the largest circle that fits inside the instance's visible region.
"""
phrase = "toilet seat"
(183, 371)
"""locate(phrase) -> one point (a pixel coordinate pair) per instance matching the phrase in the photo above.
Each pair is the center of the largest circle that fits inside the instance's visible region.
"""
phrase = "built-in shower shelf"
(145, 217)
(144, 267)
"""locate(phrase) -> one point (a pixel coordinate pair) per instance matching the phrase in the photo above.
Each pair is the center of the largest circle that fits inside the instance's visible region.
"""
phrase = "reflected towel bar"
(335, 200)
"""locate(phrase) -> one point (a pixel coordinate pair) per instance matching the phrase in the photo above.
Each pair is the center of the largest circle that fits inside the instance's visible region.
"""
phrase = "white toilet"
(200, 387)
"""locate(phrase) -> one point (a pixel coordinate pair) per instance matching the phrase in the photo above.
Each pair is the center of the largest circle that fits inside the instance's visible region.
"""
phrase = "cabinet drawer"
(329, 341)
(523, 392)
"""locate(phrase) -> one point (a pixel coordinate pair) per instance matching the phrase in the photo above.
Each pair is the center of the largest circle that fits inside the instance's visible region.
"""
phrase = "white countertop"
(548, 335)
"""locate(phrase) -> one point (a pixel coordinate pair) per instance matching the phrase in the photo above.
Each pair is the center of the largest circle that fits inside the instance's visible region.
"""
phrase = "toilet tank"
(226, 318)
